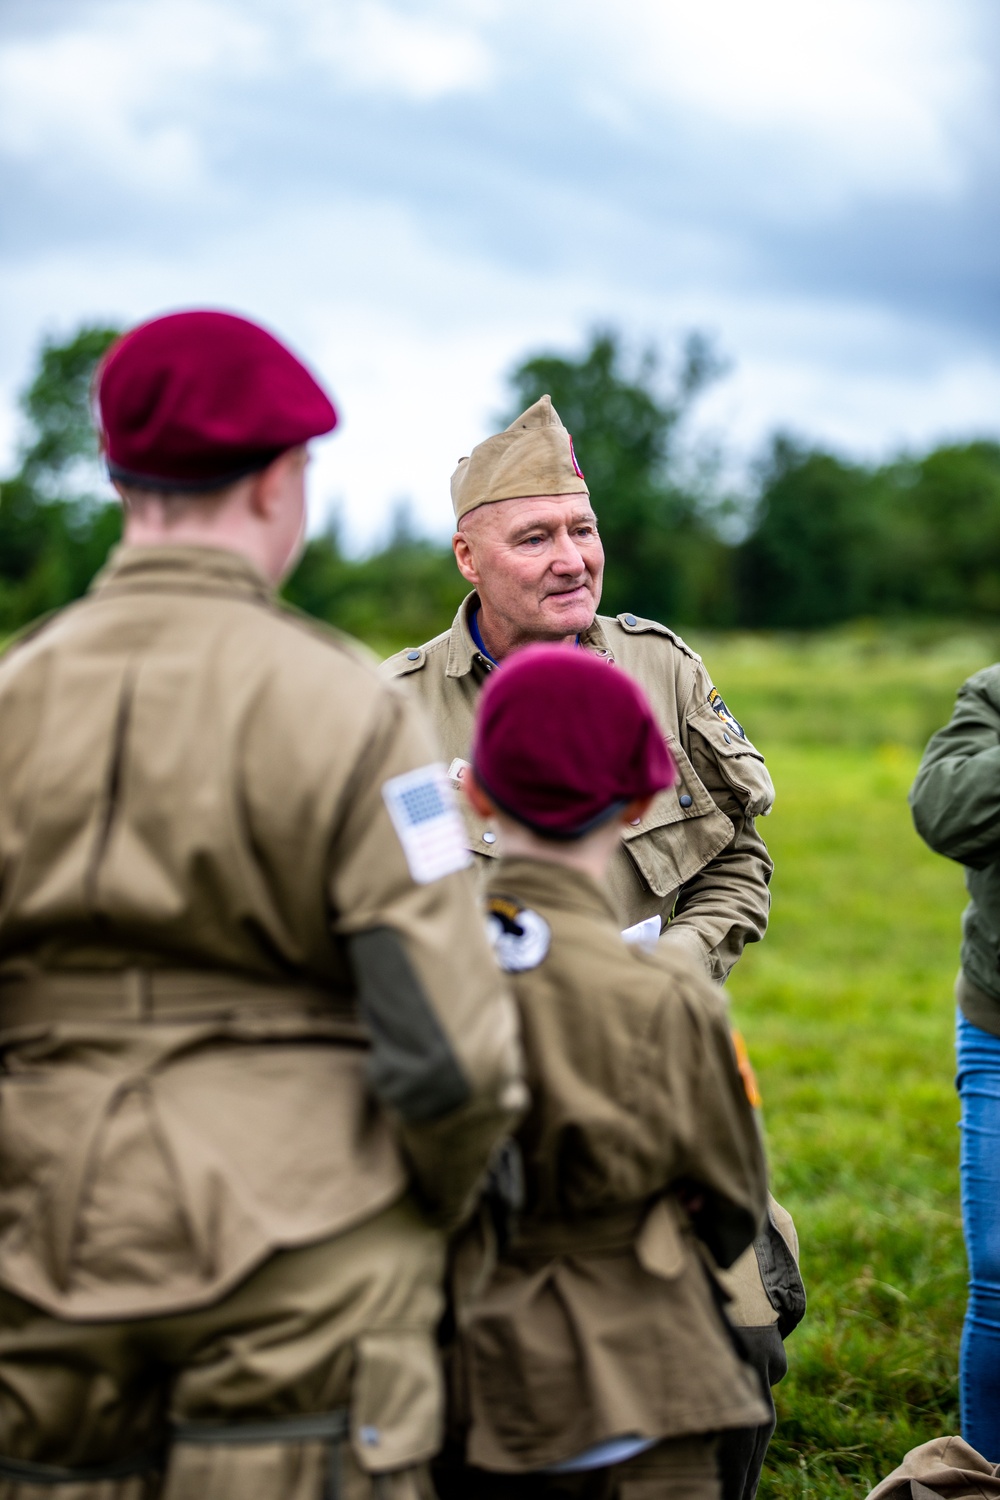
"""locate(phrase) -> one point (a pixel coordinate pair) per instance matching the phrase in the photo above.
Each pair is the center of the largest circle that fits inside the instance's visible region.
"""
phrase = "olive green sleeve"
(955, 798)
(445, 1052)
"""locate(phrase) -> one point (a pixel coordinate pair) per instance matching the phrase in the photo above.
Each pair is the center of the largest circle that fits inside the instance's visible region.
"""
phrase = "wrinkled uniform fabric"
(946, 1468)
(203, 910)
(599, 1319)
(680, 1468)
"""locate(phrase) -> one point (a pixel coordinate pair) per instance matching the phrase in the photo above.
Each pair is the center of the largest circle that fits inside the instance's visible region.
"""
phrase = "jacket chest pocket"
(680, 833)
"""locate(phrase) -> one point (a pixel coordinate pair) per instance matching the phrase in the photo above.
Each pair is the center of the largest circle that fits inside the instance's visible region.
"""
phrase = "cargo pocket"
(740, 763)
(397, 1400)
(680, 833)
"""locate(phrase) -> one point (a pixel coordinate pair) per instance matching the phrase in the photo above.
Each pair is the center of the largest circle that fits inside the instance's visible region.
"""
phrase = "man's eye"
(532, 541)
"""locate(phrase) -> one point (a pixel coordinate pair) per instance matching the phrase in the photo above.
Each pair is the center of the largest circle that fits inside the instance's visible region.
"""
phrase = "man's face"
(536, 564)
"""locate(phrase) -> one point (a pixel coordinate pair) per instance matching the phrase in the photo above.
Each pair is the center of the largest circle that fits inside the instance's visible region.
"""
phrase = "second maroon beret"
(564, 739)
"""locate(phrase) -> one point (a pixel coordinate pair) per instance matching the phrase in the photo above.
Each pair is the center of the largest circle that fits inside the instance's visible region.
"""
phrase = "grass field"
(848, 1014)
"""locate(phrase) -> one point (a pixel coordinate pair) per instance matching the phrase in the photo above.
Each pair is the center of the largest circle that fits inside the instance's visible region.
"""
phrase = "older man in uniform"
(693, 864)
(255, 1048)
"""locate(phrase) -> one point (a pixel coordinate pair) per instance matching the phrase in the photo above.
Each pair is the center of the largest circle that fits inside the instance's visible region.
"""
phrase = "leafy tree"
(940, 518)
(663, 557)
(54, 534)
(58, 409)
(810, 555)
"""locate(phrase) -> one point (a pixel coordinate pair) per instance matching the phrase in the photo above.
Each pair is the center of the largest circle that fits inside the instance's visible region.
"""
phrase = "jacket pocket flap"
(740, 762)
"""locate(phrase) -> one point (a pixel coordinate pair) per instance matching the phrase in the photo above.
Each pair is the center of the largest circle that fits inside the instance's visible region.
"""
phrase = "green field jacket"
(956, 807)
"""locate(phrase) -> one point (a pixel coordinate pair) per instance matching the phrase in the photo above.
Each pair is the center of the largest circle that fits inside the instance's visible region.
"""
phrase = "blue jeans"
(979, 1365)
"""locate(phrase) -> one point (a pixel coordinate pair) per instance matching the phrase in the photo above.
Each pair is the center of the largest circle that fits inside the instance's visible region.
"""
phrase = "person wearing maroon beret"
(257, 1052)
(591, 1360)
(693, 869)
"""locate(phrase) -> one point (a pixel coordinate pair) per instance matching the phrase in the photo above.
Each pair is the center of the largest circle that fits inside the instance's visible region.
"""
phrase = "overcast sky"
(416, 194)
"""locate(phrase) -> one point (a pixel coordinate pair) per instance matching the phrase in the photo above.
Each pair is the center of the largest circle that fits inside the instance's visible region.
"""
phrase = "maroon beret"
(564, 739)
(196, 400)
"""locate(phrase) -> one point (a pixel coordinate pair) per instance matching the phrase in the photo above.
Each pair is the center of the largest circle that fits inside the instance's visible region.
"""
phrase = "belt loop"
(138, 994)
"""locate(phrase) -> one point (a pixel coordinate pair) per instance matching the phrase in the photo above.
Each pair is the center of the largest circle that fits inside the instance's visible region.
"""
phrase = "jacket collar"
(183, 569)
(464, 654)
(540, 882)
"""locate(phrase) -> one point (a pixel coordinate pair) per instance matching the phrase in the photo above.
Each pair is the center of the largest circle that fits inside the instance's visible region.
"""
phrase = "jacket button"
(413, 656)
(631, 620)
(726, 738)
(685, 799)
(489, 838)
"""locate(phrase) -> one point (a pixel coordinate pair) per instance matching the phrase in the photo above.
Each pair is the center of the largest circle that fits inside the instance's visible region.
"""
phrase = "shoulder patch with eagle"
(520, 937)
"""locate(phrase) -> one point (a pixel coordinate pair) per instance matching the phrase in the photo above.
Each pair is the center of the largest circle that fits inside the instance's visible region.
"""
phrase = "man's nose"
(568, 557)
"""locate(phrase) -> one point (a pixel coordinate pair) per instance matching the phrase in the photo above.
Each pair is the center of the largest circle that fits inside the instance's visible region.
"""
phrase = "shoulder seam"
(638, 625)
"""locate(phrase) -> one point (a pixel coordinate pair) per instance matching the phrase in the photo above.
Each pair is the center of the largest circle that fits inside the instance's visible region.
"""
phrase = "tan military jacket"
(695, 859)
(599, 1319)
(231, 1016)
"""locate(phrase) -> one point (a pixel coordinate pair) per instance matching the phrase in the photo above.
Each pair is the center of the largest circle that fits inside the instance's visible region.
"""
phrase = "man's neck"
(500, 637)
(590, 854)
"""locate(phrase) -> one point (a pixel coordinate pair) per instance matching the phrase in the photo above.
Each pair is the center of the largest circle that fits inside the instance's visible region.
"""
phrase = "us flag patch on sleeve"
(422, 807)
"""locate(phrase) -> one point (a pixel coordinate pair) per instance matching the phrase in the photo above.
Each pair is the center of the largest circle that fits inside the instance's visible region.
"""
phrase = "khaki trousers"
(337, 1332)
(676, 1469)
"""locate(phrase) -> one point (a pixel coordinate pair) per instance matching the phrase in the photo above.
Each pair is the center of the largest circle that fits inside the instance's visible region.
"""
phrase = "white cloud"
(112, 90)
(371, 45)
(864, 93)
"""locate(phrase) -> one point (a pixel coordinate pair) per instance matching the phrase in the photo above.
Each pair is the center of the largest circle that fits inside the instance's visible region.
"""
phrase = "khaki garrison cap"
(534, 456)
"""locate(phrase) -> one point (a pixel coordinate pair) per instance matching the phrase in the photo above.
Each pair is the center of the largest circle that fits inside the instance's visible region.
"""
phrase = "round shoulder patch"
(520, 937)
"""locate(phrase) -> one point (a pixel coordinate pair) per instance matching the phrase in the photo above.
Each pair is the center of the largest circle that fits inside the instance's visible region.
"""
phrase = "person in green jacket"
(956, 807)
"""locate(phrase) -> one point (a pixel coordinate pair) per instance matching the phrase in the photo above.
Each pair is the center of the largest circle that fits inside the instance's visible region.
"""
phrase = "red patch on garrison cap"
(196, 399)
(573, 458)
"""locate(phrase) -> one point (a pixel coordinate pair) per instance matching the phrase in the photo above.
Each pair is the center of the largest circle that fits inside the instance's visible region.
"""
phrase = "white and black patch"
(520, 937)
(718, 705)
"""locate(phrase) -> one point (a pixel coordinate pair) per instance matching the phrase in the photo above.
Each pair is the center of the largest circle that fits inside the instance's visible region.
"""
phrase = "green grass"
(848, 1013)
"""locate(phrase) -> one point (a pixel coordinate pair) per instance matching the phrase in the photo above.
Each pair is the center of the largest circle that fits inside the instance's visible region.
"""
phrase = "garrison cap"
(564, 740)
(533, 456)
(197, 400)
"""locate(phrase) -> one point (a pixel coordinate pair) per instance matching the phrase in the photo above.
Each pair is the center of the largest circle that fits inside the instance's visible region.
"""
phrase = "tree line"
(815, 539)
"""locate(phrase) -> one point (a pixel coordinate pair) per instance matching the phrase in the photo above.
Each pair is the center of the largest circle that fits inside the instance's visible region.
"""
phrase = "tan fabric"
(946, 1467)
(348, 1322)
(533, 456)
(702, 868)
(192, 795)
(599, 1319)
(679, 1469)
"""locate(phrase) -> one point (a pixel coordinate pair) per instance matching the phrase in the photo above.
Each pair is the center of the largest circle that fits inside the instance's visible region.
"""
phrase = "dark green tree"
(940, 519)
(54, 532)
(664, 558)
(811, 554)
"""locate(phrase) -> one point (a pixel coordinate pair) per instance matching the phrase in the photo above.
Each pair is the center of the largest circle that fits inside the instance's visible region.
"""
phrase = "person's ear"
(478, 800)
(636, 809)
(464, 559)
(269, 486)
